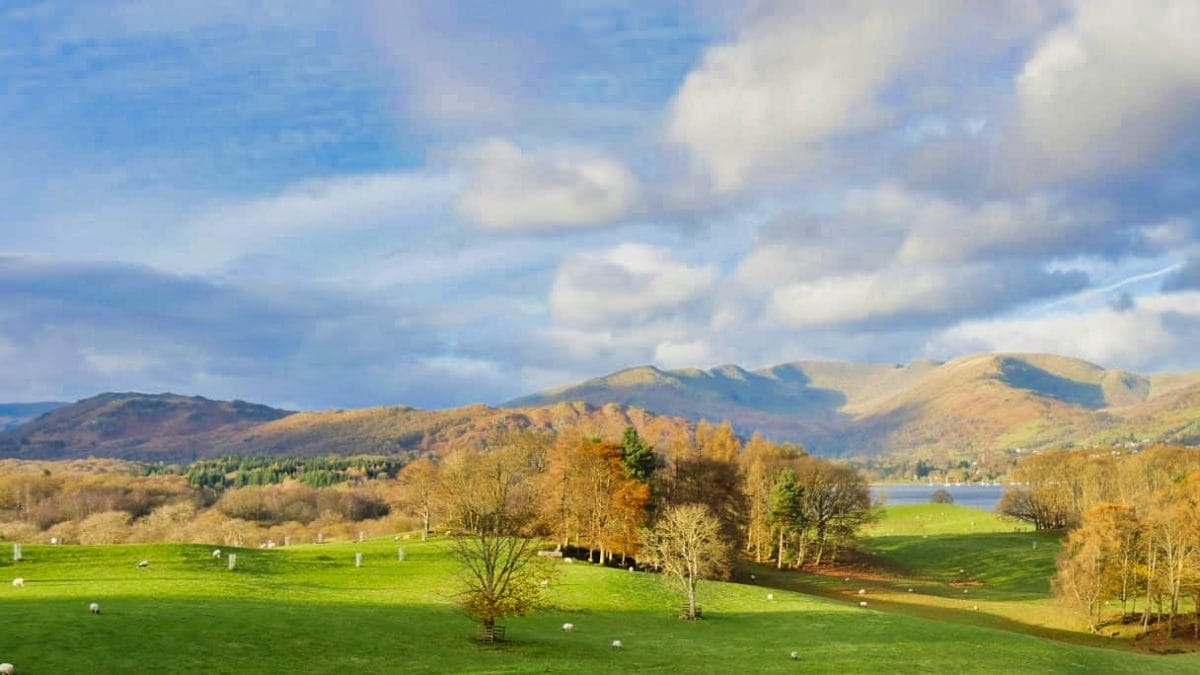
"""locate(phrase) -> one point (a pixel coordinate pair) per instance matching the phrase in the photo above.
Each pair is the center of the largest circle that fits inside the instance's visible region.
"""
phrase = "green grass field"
(308, 609)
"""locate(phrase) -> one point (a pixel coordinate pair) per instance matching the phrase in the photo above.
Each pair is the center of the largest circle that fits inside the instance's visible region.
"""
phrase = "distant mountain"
(173, 428)
(973, 404)
(13, 415)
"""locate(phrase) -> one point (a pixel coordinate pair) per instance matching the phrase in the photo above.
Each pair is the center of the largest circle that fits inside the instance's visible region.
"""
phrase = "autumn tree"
(686, 545)
(419, 482)
(490, 507)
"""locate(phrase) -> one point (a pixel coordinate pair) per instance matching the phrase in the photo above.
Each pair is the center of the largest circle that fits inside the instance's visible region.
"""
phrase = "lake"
(978, 496)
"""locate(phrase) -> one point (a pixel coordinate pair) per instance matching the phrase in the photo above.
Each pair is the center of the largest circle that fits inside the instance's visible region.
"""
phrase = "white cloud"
(796, 77)
(1149, 335)
(904, 294)
(627, 283)
(1111, 90)
(513, 189)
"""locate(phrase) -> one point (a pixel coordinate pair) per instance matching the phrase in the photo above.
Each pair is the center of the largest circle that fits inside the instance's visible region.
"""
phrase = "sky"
(348, 203)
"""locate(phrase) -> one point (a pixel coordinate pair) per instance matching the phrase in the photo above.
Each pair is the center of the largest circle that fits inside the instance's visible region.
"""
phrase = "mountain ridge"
(975, 402)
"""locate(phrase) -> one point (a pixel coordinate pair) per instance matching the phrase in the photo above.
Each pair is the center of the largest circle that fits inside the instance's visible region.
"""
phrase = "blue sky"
(336, 204)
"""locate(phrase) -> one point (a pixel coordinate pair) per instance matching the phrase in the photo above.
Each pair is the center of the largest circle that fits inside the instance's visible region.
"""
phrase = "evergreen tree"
(637, 457)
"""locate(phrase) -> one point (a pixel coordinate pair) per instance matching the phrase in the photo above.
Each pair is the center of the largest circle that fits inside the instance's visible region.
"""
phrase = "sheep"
(863, 603)
(975, 607)
(862, 591)
(631, 568)
(795, 655)
(770, 596)
(910, 590)
(846, 579)
(568, 560)
(94, 608)
(19, 582)
(568, 627)
(6, 669)
(53, 540)
(143, 564)
(617, 644)
(965, 591)
(216, 553)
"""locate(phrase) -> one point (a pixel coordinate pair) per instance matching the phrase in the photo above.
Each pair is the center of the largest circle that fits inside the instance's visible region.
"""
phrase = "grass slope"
(307, 608)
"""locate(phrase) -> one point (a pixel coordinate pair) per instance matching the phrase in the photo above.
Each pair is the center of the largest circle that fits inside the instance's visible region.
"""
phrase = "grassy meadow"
(308, 608)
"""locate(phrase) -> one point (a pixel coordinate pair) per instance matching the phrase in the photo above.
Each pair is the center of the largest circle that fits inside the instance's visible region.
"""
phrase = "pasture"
(307, 608)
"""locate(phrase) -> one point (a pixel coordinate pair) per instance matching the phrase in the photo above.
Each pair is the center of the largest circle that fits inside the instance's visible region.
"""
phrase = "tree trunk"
(691, 598)
(779, 563)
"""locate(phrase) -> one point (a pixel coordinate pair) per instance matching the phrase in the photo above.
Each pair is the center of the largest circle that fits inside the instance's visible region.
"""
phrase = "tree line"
(1134, 521)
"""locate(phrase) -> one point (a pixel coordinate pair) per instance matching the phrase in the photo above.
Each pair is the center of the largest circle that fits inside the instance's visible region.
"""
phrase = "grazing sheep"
(617, 644)
(846, 579)
(143, 564)
(863, 603)
(53, 540)
(966, 591)
(94, 608)
(568, 560)
(6, 669)
(568, 627)
(770, 596)
(862, 591)
(910, 590)
(631, 568)
(216, 553)
(19, 582)
(795, 656)
(544, 583)
(976, 608)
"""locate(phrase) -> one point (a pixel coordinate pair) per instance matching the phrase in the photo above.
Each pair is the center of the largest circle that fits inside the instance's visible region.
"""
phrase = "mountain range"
(970, 404)
(967, 406)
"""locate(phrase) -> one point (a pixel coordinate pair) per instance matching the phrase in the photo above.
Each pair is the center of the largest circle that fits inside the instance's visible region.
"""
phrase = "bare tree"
(686, 545)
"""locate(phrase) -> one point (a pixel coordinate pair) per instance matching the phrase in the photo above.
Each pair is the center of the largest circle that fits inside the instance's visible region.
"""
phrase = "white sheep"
(19, 582)
(94, 608)
(910, 590)
(6, 669)
(216, 553)
(143, 564)
(965, 591)
(568, 627)
(617, 644)
(544, 583)
(770, 596)
(862, 591)
(863, 603)
(795, 655)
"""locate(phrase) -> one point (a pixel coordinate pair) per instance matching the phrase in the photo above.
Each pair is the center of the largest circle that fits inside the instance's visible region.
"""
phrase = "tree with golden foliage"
(491, 508)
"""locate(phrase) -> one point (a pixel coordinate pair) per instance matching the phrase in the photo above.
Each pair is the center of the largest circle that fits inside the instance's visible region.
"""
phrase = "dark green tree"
(637, 457)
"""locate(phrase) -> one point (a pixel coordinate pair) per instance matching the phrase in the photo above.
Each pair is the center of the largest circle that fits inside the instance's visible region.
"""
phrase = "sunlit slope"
(308, 608)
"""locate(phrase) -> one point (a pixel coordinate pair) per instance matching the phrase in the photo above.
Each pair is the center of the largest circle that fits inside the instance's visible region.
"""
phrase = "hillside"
(177, 428)
(13, 415)
(972, 404)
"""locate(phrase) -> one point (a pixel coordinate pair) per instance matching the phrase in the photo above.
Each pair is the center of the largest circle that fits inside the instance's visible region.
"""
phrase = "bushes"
(941, 496)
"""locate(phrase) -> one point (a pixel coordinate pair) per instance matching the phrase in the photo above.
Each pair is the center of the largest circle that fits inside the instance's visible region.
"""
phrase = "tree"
(941, 496)
(419, 481)
(687, 546)
(637, 457)
(787, 513)
(491, 509)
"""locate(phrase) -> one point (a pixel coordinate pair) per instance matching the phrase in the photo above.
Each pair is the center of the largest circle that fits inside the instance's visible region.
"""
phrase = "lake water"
(978, 496)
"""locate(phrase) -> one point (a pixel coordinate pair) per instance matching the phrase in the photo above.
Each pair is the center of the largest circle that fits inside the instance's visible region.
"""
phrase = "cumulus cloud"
(798, 75)
(624, 284)
(1115, 88)
(513, 189)
(1157, 332)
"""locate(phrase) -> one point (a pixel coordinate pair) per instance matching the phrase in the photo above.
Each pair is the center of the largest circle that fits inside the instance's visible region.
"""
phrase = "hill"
(167, 427)
(972, 404)
(13, 415)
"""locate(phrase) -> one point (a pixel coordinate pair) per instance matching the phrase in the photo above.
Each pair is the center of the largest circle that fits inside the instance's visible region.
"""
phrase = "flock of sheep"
(94, 608)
